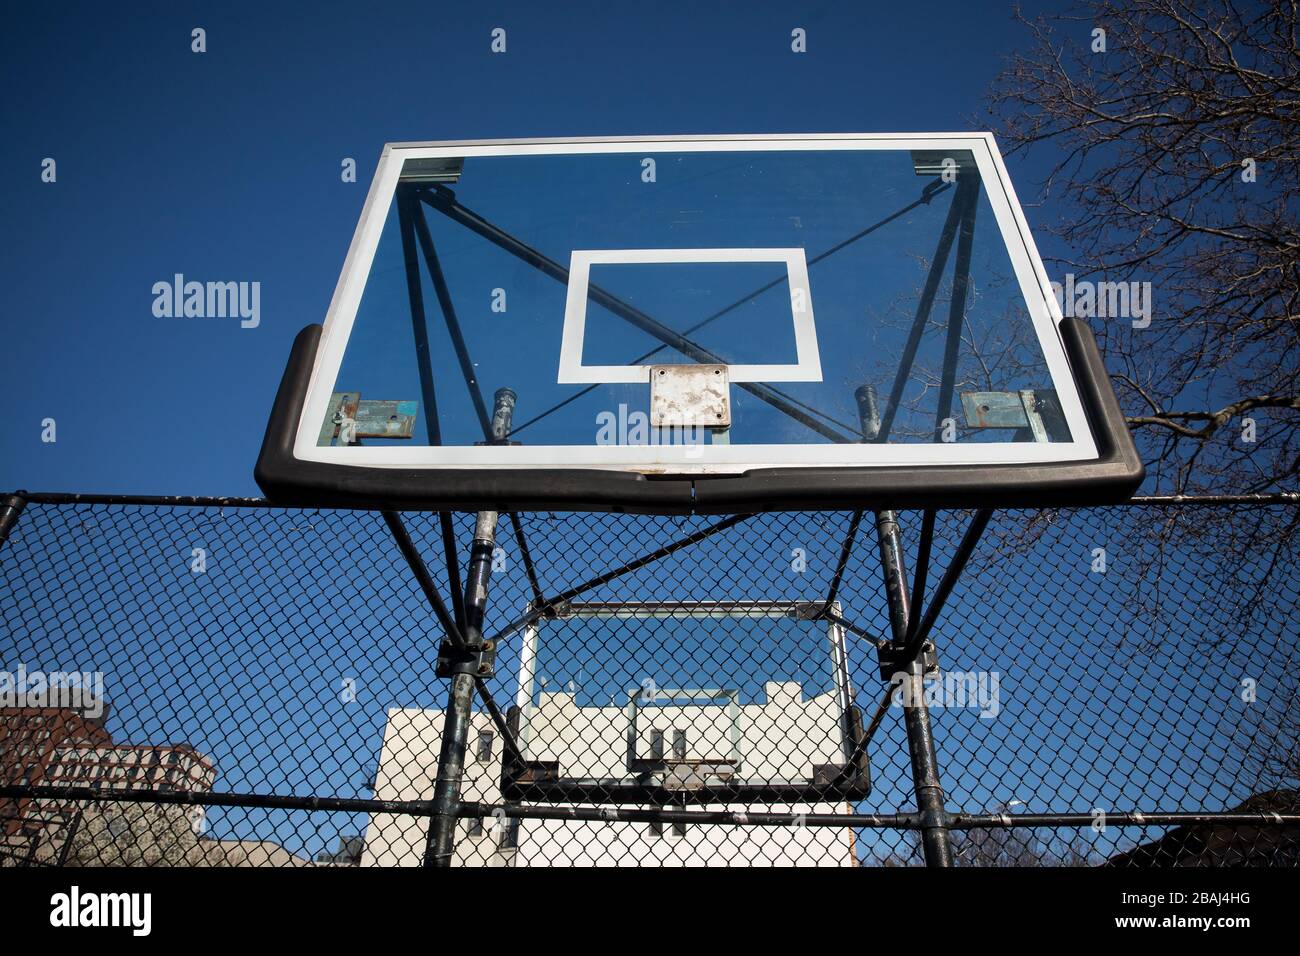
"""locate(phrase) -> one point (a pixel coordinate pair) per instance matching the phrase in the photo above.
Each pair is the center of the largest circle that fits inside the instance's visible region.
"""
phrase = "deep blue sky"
(225, 166)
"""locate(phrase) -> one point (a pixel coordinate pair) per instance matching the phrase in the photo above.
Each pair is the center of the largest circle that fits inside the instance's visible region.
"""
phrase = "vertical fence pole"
(456, 724)
(451, 769)
(936, 842)
(455, 728)
(70, 839)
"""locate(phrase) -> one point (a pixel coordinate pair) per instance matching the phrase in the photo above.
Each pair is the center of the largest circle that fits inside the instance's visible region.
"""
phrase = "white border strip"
(704, 459)
(573, 372)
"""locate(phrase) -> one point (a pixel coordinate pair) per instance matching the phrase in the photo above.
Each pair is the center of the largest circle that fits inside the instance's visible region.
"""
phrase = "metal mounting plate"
(689, 396)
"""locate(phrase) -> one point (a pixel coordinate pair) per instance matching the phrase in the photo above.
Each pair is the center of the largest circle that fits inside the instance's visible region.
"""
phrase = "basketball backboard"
(699, 323)
(609, 710)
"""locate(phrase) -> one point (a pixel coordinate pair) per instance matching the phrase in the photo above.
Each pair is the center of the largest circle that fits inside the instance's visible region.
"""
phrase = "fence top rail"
(202, 501)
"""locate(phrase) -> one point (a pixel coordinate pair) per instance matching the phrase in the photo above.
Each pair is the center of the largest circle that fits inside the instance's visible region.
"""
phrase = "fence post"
(451, 768)
(455, 729)
(10, 508)
(70, 838)
(936, 841)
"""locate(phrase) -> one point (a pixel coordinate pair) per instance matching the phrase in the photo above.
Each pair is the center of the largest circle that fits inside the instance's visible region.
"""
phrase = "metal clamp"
(894, 659)
(481, 661)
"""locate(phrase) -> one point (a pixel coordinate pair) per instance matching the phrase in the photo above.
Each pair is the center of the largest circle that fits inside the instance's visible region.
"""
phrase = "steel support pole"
(935, 839)
(409, 213)
(893, 562)
(456, 722)
(494, 430)
(451, 771)
(936, 842)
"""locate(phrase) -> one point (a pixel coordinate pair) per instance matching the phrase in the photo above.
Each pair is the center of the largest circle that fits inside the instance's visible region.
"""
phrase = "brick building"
(30, 737)
(61, 747)
(108, 766)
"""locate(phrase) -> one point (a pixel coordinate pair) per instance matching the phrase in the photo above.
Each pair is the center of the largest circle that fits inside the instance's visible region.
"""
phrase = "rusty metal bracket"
(349, 418)
(894, 658)
(1035, 415)
(477, 660)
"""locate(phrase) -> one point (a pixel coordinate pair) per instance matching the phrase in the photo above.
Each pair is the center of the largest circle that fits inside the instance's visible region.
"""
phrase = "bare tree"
(134, 834)
(997, 847)
(1170, 134)
(1175, 153)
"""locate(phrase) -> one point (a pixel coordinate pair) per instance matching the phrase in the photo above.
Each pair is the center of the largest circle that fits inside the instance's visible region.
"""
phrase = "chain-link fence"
(220, 682)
